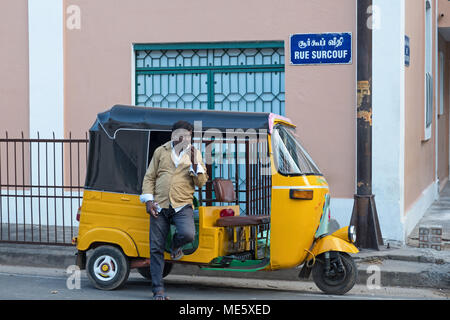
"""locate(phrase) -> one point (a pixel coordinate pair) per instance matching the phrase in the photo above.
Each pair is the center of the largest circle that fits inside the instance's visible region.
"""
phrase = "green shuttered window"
(218, 76)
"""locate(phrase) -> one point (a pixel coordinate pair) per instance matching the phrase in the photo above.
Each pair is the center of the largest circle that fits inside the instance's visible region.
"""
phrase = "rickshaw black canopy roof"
(120, 142)
(131, 117)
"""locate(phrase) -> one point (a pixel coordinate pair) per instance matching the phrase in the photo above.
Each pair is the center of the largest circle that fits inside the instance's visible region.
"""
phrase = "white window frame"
(428, 89)
(441, 82)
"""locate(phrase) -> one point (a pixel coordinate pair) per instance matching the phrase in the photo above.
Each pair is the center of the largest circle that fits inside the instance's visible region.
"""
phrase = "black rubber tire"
(341, 286)
(121, 267)
(145, 271)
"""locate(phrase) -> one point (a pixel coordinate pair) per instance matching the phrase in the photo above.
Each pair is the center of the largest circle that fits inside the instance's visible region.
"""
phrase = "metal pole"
(364, 216)
(364, 93)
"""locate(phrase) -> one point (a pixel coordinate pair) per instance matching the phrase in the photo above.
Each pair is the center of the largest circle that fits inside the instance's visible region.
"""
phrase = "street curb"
(37, 255)
(400, 271)
(405, 274)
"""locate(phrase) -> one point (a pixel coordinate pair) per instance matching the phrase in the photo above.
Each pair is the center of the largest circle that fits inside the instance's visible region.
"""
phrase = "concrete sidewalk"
(437, 215)
(403, 267)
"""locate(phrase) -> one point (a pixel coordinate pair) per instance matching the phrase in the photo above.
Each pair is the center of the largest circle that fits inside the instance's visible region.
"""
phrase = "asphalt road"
(29, 283)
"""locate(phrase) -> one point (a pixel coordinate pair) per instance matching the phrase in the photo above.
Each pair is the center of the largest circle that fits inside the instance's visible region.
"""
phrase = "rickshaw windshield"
(289, 156)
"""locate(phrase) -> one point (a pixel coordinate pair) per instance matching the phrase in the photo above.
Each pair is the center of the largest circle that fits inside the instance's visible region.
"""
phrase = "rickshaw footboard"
(227, 263)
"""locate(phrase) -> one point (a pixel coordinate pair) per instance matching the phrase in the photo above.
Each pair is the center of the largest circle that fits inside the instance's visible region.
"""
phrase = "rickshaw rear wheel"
(108, 267)
(145, 271)
(341, 280)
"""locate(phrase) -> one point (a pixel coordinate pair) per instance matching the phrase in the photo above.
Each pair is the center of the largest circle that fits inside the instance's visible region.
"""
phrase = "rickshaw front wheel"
(339, 277)
(107, 267)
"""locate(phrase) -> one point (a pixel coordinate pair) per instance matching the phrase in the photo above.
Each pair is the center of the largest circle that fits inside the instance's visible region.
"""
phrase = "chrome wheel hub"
(105, 268)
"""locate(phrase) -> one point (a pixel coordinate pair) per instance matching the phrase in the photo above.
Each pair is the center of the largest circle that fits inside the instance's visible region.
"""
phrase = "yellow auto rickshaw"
(265, 207)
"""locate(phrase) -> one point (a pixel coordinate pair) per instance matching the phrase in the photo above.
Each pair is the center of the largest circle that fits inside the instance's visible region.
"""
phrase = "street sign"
(321, 48)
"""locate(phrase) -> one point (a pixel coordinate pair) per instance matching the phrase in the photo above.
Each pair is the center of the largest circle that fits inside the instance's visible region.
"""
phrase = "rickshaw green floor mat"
(238, 265)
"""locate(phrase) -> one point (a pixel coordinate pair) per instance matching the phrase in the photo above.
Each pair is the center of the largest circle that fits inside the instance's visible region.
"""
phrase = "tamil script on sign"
(324, 48)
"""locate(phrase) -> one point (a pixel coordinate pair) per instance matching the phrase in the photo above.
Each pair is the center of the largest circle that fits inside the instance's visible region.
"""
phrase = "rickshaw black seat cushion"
(237, 221)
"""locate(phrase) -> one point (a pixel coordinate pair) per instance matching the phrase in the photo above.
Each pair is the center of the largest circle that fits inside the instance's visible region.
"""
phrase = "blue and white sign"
(322, 48)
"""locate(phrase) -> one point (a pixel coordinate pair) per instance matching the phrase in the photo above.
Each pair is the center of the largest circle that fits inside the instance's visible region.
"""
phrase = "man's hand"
(194, 159)
(152, 209)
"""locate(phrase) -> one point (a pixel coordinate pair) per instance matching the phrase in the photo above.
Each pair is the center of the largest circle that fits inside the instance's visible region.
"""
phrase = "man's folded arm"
(201, 176)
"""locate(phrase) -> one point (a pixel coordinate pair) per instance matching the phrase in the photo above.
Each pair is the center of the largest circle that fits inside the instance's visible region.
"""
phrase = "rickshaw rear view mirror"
(301, 194)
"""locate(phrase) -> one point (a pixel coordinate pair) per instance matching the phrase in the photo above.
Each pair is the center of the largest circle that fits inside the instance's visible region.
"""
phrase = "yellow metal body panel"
(285, 122)
(108, 235)
(342, 233)
(114, 218)
(332, 243)
(293, 222)
(212, 240)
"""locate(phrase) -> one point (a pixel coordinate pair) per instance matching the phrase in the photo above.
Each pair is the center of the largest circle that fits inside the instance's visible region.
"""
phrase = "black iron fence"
(41, 185)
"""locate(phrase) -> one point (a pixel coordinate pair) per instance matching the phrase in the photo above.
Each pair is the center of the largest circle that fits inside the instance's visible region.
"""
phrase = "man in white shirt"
(168, 188)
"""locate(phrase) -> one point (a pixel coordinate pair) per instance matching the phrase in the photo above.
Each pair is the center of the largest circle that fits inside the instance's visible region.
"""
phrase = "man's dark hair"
(182, 125)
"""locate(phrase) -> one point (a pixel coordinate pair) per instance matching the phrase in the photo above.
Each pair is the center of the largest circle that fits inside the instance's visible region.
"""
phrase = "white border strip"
(420, 207)
(133, 76)
(388, 116)
(299, 187)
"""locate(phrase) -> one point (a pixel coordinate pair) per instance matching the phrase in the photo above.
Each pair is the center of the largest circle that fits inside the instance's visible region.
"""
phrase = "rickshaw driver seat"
(225, 193)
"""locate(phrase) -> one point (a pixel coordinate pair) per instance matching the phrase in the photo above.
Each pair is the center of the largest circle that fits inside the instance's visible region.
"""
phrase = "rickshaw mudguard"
(332, 243)
(108, 235)
(325, 244)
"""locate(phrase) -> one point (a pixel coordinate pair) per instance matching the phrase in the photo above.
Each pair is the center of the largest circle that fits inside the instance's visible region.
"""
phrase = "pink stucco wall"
(319, 99)
(14, 87)
(444, 13)
(419, 154)
(443, 119)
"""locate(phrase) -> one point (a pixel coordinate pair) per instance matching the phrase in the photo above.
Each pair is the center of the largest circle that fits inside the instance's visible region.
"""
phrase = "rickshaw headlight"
(301, 194)
(352, 234)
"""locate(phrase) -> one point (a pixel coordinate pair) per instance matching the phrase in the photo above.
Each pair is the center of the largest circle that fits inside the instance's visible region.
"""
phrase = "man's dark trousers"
(159, 229)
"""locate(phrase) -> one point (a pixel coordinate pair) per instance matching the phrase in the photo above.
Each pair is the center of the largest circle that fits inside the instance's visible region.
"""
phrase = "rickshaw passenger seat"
(224, 191)
(238, 221)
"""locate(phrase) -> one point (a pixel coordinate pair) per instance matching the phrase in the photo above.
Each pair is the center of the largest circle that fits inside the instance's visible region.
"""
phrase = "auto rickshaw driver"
(167, 189)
